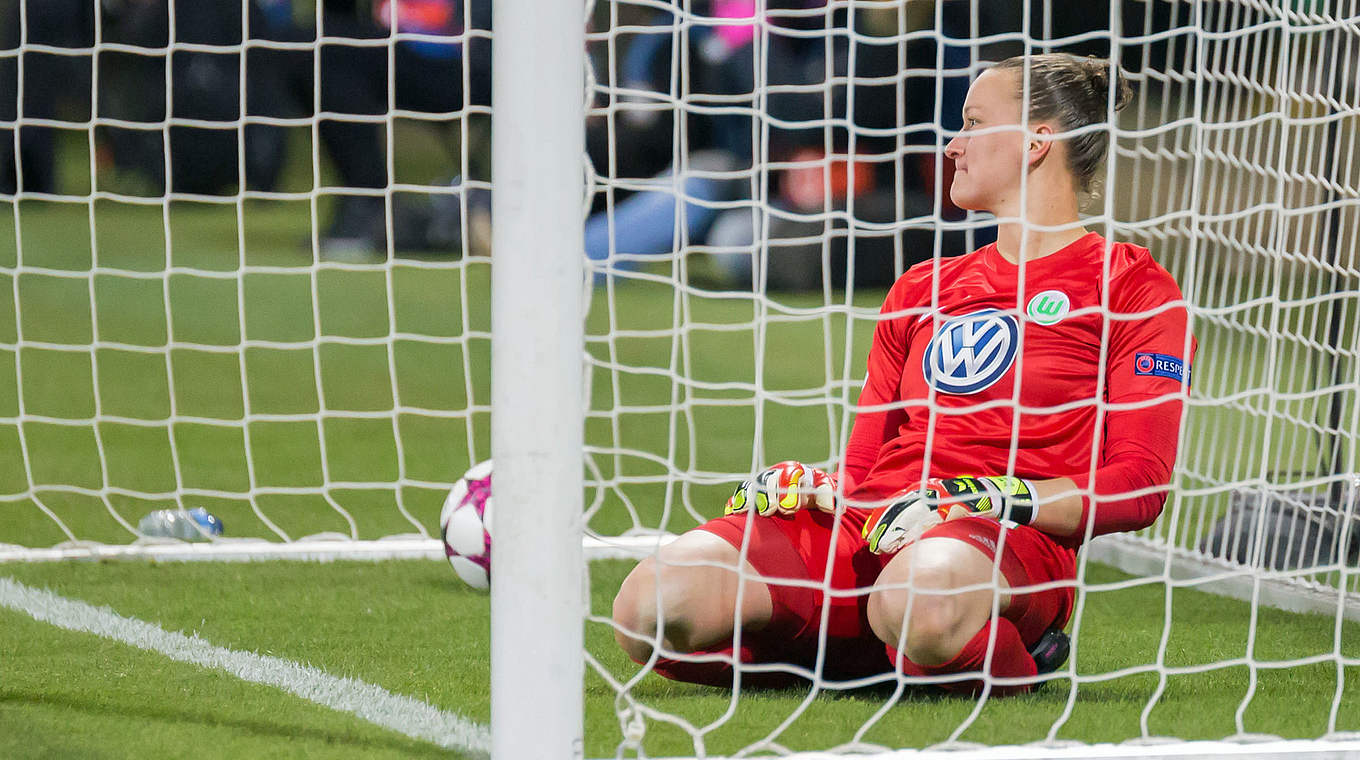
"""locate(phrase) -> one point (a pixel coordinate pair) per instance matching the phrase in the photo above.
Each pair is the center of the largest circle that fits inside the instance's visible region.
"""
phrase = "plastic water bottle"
(196, 524)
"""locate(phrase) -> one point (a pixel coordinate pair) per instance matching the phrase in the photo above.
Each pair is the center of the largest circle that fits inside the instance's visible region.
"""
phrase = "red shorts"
(1029, 557)
(798, 549)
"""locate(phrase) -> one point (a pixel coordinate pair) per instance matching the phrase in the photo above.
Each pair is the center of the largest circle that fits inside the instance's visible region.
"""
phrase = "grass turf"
(410, 627)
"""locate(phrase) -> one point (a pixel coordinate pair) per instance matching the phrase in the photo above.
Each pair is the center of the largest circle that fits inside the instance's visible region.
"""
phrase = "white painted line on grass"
(375, 704)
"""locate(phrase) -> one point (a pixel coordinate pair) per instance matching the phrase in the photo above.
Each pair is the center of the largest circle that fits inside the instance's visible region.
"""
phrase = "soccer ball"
(465, 525)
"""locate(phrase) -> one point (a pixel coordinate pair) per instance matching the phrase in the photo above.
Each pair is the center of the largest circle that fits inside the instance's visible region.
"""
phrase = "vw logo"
(971, 352)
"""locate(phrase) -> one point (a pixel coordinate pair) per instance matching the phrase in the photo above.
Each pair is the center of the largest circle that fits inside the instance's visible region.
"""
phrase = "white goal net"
(244, 247)
(200, 205)
(1235, 164)
(1239, 169)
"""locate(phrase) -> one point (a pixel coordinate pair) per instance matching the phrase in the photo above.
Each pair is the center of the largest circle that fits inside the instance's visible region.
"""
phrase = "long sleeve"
(1146, 376)
(874, 427)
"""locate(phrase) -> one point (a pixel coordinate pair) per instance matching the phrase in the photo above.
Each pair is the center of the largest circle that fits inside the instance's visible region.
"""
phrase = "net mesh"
(301, 345)
(1234, 164)
(201, 206)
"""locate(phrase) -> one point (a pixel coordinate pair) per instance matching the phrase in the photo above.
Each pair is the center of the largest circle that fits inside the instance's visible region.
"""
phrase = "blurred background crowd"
(780, 131)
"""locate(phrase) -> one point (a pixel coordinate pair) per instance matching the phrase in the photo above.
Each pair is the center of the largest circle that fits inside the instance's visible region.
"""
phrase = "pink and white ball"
(465, 525)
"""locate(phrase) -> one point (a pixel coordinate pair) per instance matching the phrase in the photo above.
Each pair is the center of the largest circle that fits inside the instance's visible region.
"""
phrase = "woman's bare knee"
(919, 594)
(935, 629)
(687, 595)
(661, 599)
(635, 612)
(929, 619)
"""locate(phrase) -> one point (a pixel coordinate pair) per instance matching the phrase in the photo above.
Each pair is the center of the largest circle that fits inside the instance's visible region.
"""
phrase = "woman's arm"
(875, 427)
(1060, 506)
(1139, 453)
(1146, 379)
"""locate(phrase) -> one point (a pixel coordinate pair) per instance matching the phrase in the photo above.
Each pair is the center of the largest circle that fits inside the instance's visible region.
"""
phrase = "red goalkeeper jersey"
(1101, 371)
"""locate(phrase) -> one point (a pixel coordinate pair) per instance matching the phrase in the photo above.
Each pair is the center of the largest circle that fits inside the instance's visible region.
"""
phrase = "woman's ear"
(1038, 144)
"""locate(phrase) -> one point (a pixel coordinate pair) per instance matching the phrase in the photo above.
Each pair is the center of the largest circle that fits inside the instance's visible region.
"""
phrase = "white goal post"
(538, 599)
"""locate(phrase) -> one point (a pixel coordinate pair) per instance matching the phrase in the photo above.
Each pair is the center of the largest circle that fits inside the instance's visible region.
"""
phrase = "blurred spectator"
(640, 145)
(427, 76)
(804, 112)
(52, 83)
(204, 86)
(281, 83)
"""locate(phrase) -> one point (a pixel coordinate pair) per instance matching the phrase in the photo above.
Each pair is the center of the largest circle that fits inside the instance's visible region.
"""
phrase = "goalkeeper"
(1019, 400)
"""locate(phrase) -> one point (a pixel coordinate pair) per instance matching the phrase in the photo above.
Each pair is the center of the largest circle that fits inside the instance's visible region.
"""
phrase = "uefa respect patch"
(1159, 365)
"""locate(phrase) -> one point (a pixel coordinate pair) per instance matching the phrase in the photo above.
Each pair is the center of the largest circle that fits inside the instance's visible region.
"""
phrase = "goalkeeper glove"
(897, 524)
(784, 489)
(999, 497)
(892, 527)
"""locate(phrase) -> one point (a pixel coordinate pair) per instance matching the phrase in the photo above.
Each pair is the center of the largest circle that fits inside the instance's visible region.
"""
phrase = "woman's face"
(988, 166)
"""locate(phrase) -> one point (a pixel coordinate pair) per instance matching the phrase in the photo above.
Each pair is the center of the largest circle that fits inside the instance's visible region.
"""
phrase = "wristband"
(1014, 497)
(998, 496)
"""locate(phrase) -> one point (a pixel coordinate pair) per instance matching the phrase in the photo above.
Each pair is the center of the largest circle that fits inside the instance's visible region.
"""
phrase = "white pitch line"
(375, 704)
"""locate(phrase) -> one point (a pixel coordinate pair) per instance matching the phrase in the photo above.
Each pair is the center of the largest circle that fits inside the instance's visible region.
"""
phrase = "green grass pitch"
(176, 344)
(411, 628)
